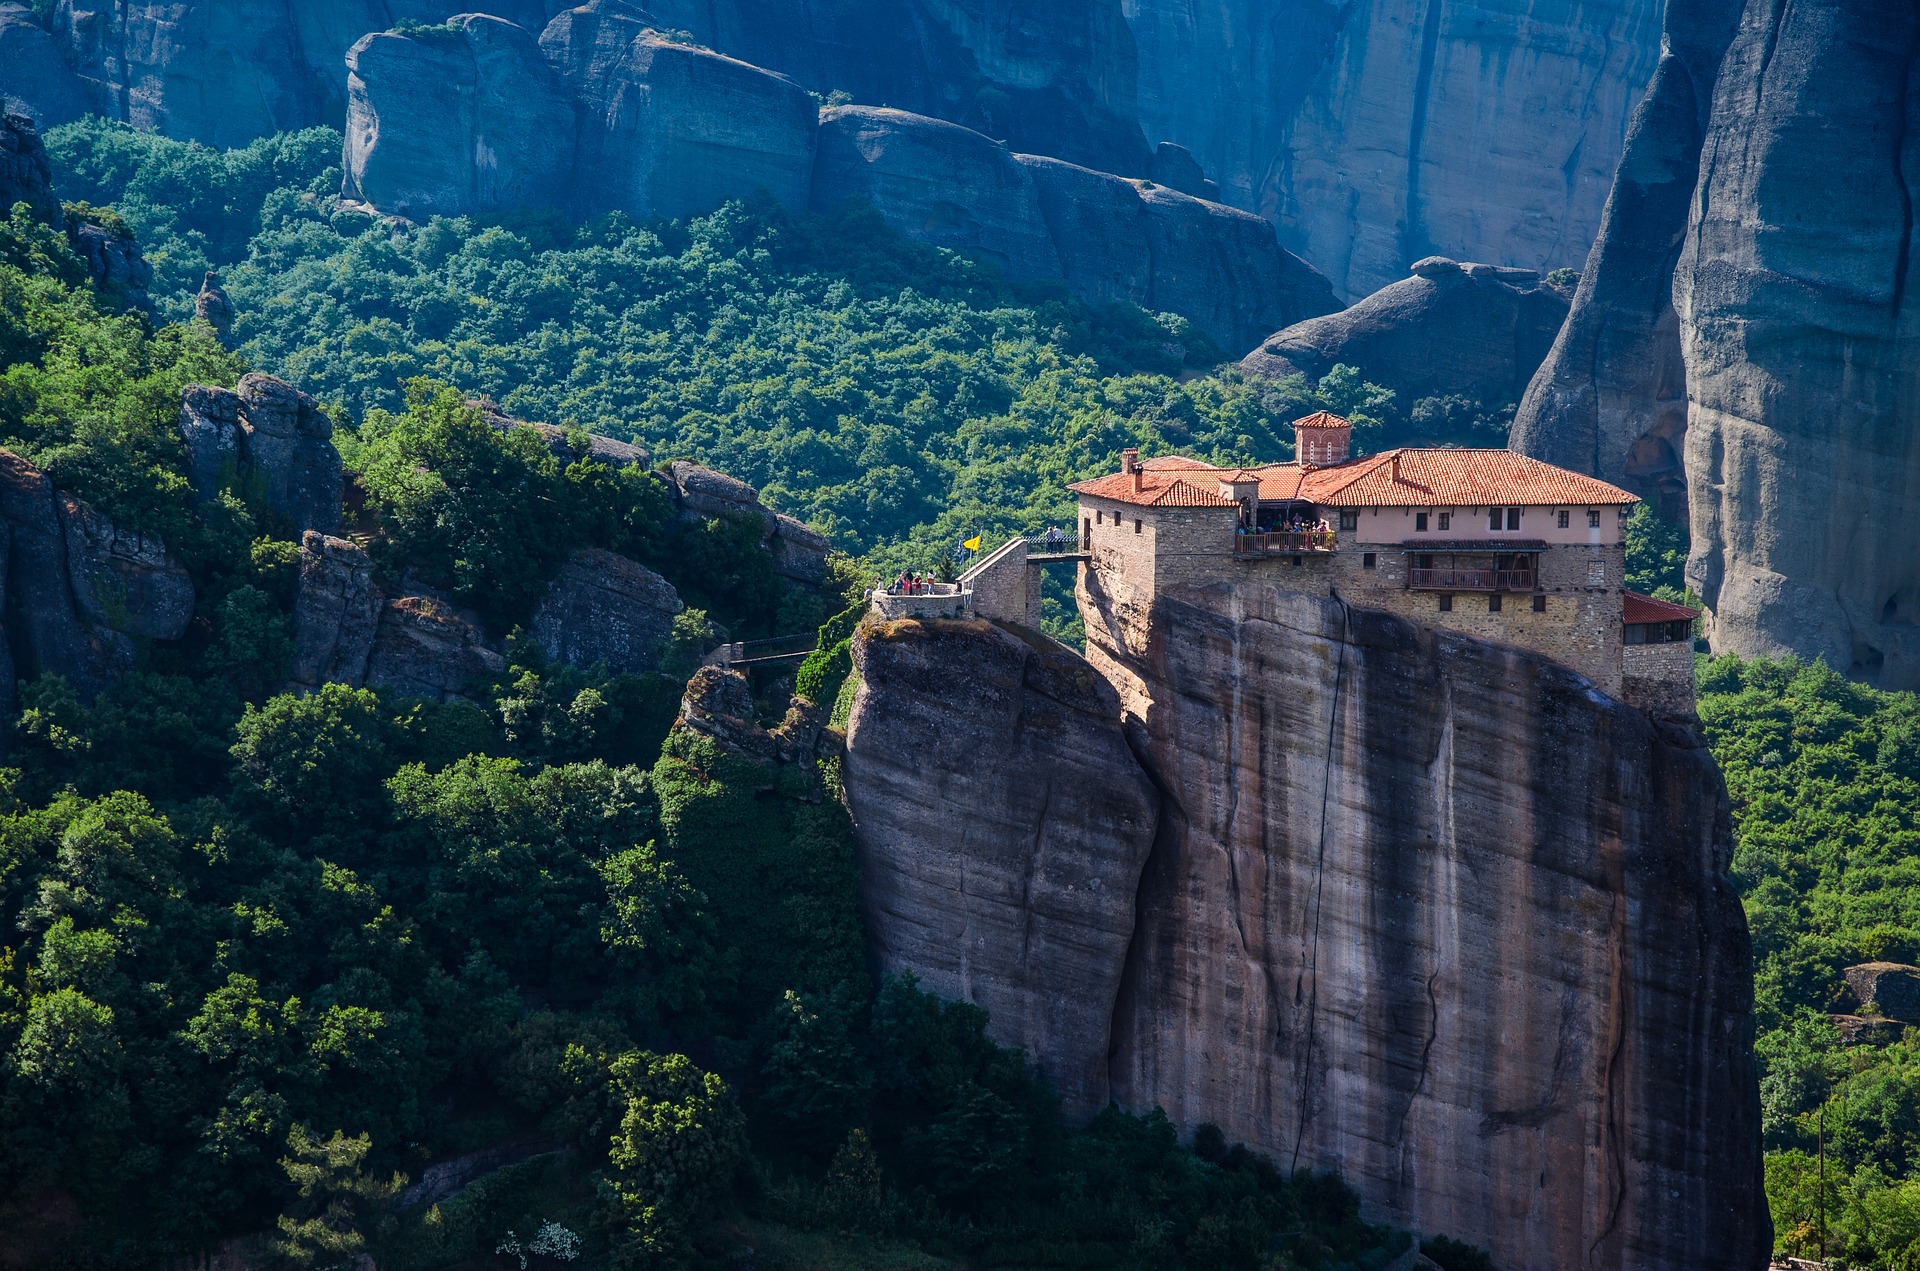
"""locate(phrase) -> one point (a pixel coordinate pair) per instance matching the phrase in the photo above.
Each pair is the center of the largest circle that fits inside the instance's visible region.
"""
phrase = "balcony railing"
(1282, 542)
(1470, 579)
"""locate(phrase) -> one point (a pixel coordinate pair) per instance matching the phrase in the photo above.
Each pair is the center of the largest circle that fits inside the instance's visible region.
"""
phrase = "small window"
(1493, 603)
(1539, 604)
(1636, 633)
(1493, 518)
(1366, 560)
(1296, 560)
(1350, 520)
(1136, 525)
(1513, 518)
(1564, 518)
(1420, 522)
(1086, 534)
(1446, 520)
(1099, 517)
(1593, 519)
(1446, 603)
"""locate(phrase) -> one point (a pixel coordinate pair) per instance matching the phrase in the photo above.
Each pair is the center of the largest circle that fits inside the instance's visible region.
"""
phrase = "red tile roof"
(1157, 489)
(1637, 608)
(1436, 477)
(1322, 419)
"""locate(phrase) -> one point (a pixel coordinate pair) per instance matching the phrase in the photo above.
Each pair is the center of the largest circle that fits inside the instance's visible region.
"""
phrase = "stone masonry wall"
(1659, 678)
(1000, 584)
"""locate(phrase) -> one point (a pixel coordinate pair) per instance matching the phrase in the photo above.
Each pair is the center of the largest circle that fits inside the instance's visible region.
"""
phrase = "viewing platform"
(1285, 543)
(1470, 579)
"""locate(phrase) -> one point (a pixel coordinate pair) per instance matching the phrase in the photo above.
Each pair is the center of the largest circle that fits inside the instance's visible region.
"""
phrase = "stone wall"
(1659, 678)
(1003, 584)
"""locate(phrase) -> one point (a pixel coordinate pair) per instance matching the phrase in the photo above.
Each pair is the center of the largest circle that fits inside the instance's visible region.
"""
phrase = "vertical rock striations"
(1421, 909)
(1002, 825)
(1796, 298)
(1743, 342)
(1375, 134)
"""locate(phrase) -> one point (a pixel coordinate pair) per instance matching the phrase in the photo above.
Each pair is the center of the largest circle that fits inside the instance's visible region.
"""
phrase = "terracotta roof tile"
(1176, 463)
(1322, 419)
(1638, 608)
(1157, 489)
(1456, 478)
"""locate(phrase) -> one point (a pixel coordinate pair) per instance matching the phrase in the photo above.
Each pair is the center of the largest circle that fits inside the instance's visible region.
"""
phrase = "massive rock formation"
(1375, 134)
(605, 610)
(1741, 342)
(1003, 824)
(1425, 910)
(1473, 330)
(664, 129)
(35, 80)
(500, 120)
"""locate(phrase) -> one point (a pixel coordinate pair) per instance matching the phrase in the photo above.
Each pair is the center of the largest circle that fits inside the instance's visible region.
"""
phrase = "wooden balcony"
(1471, 579)
(1284, 543)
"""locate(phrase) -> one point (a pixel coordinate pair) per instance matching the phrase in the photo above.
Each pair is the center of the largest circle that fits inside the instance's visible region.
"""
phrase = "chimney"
(1130, 464)
(1322, 440)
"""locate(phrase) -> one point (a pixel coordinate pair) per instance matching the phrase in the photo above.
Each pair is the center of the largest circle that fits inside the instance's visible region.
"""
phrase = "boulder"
(35, 80)
(1476, 331)
(269, 433)
(456, 120)
(25, 174)
(1174, 166)
(336, 612)
(671, 130)
(702, 492)
(426, 648)
(212, 306)
(938, 183)
(1858, 1030)
(719, 704)
(114, 262)
(799, 551)
(1891, 987)
(605, 610)
(121, 580)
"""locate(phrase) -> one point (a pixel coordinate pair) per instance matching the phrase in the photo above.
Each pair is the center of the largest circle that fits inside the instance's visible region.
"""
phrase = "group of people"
(910, 583)
(1318, 533)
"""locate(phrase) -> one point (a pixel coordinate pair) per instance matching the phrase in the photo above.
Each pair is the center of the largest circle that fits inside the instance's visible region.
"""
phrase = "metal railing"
(1285, 541)
(1056, 545)
(1470, 579)
(778, 649)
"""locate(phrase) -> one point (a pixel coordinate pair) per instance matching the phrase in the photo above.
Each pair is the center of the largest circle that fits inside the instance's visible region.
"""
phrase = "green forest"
(277, 955)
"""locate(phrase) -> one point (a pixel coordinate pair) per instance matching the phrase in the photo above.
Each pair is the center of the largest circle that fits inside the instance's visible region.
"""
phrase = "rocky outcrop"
(213, 307)
(1374, 134)
(500, 120)
(568, 444)
(799, 551)
(25, 174)
(1611, 398)
(265, 435)
(114, 262)
(425, 647)
(336, 612)
(75, 590)
(1473, 330)
(1891, 988)
(1421, 909)
(1002, 825)
(605, 610)
(671, 130)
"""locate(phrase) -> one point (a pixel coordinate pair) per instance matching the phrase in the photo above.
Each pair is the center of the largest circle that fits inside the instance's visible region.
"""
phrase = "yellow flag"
(972, 544)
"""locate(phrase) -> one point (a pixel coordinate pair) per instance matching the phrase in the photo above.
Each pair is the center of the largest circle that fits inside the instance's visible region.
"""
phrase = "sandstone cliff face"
(1742, 343)
(501, 117)
(1475, 330)
(1802, 342)
(1003, 824)
(1421, 909)
(25, 174)
(1375, 134)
